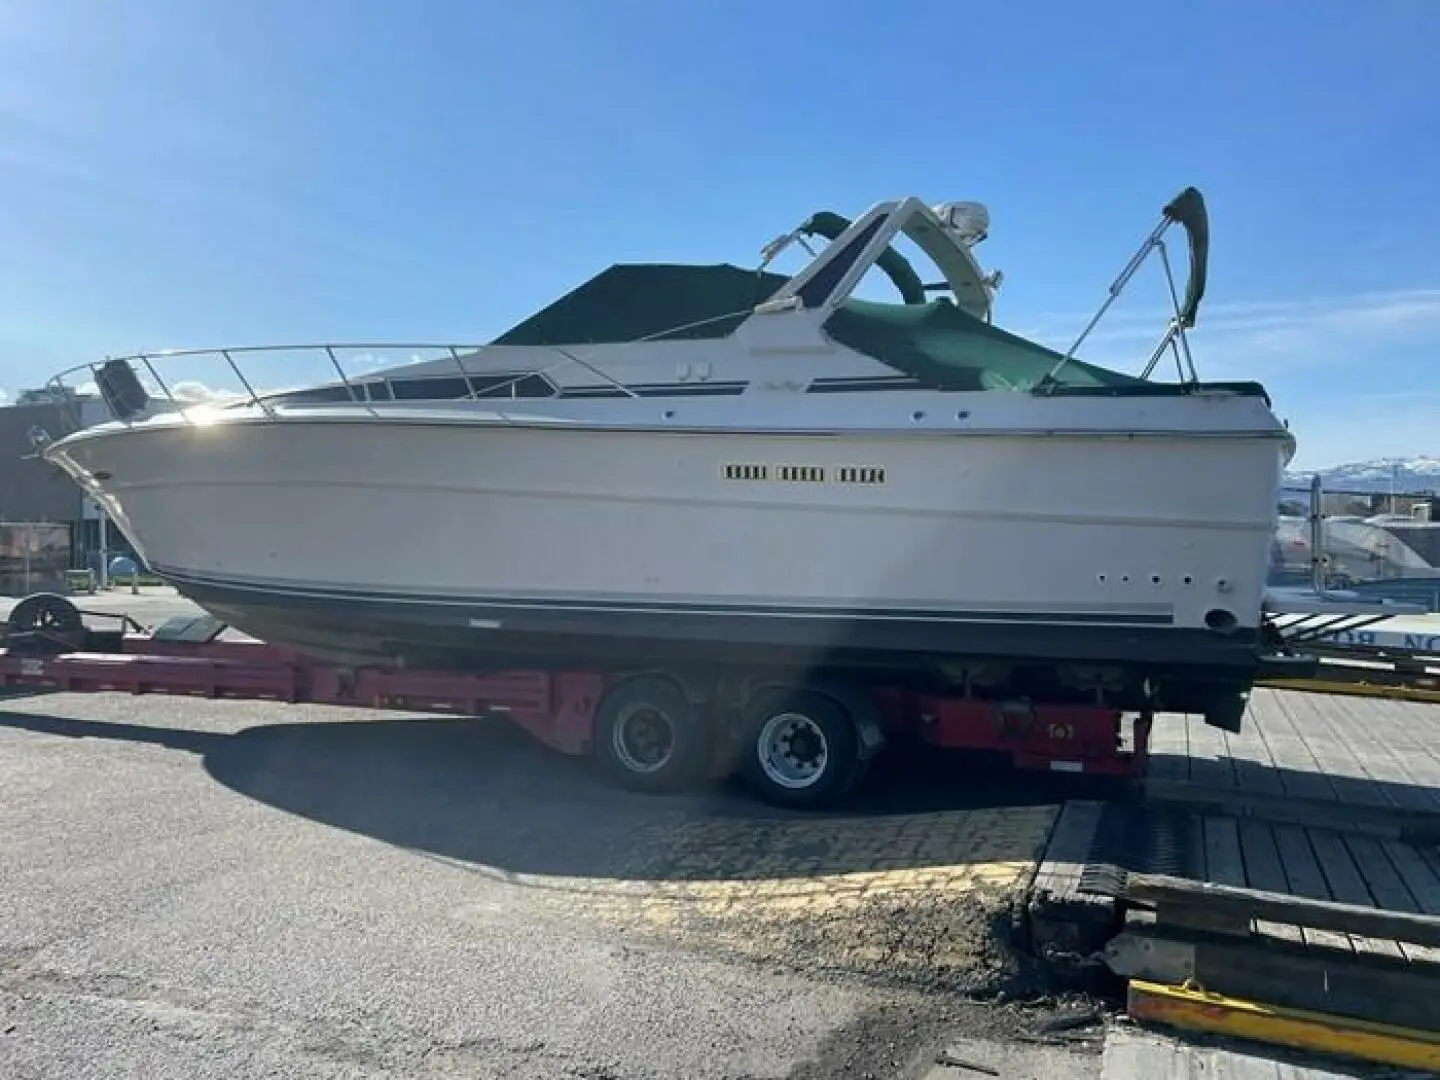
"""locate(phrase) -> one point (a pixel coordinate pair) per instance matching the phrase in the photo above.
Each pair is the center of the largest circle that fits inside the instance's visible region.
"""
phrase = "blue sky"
(198, 172)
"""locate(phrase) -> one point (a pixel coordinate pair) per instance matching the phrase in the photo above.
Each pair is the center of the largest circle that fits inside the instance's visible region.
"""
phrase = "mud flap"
(1227, 711)
(856, 700)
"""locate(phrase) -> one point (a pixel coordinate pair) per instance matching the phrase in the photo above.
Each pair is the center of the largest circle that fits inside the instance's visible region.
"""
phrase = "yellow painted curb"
(1196, 1010)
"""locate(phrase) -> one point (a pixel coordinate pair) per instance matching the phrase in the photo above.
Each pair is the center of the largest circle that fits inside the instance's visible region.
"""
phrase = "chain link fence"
(34, 556)
(1380, 546)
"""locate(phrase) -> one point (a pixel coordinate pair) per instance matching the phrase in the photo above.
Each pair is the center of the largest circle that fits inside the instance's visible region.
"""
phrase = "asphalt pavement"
(196, 889)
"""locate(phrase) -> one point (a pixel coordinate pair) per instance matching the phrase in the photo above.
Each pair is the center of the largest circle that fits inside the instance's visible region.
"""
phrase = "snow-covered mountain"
(1401, 475)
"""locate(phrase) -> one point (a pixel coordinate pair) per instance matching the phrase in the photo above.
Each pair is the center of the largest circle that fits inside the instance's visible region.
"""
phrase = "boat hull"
(1176, 669)
(454, 543)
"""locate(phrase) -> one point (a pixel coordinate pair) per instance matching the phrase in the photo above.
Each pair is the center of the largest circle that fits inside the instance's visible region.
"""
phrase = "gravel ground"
(196, 889)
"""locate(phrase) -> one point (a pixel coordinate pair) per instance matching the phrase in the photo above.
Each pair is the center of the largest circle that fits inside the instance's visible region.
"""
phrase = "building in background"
(34, 556)
(37, 495)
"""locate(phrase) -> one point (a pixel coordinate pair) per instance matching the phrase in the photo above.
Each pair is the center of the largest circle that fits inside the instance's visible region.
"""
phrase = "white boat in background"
(708, 463)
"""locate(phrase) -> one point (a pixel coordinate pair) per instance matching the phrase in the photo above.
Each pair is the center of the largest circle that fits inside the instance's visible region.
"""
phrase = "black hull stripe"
(664, 607)
(1186, 664)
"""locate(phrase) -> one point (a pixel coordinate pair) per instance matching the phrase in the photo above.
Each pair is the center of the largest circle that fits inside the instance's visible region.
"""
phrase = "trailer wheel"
(802, 749)
(45, 612)
(649, 737)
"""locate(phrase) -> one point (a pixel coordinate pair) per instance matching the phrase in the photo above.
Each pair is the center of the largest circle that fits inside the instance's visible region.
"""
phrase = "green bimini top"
(937, 344)
(657, 301)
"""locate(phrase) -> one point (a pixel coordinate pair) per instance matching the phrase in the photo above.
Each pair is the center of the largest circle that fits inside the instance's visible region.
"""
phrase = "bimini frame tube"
(1188, 210)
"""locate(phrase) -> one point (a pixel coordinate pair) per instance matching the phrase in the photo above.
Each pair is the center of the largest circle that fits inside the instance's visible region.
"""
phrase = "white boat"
(708, 463)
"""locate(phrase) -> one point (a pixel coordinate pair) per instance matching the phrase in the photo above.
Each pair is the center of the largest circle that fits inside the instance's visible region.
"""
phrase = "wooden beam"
(1226, 909)
(1319, 685)
(1380, 990)
(1063, 923)
(1389, 822)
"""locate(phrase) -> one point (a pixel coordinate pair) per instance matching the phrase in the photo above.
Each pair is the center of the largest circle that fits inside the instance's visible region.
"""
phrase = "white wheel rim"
(643, 738)
(793, 751)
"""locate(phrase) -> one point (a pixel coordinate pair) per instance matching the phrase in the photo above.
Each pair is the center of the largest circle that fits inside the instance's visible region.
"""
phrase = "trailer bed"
(563, 708)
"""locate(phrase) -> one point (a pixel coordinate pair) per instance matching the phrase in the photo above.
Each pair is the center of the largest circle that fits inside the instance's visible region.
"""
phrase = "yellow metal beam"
(1196, 1010)
(1354, 689)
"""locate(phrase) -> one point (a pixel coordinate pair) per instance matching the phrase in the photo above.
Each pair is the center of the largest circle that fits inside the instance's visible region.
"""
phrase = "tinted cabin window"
(509, 386)
(428, 389)
(318, 394)
(484, 386)
(814, 291)
(433, 388)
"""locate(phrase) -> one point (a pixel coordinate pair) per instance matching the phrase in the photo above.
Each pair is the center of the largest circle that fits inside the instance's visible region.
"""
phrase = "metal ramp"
(1304, 616)
(1309, 624)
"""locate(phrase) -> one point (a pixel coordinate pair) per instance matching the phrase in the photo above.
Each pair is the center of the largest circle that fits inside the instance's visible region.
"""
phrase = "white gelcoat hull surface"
(1161, 528)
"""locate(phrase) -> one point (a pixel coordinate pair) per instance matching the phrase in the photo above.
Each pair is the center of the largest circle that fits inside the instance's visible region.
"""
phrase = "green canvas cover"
(664, 302)
(945, 348)
(939, 345)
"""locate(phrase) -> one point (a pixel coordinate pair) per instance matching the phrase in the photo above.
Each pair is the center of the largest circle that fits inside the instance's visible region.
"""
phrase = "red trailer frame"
(561, 708)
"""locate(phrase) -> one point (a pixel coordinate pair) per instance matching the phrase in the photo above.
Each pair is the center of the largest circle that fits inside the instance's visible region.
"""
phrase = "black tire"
(821, 770)
(679, 754)
(45, 613)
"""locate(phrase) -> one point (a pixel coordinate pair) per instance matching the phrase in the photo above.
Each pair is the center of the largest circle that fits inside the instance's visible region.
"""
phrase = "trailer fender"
(859, 702)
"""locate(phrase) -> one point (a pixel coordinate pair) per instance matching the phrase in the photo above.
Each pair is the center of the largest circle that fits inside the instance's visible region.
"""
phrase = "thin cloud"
(194, 392)
(1260, 329)
(1369, 309)
(188, 392)
(1368, 426)
(1239, 337)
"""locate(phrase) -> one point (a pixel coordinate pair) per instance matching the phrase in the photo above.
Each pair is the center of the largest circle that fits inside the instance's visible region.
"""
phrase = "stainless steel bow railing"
(245, 376)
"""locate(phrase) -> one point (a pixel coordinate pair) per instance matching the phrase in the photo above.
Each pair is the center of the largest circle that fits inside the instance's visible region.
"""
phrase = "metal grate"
(1135, 839)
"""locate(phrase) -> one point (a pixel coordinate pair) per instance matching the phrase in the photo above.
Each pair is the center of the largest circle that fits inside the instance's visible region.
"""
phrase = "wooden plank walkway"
(1327, 748)
(1334, 762)
(1324, 864)
(1318, 796)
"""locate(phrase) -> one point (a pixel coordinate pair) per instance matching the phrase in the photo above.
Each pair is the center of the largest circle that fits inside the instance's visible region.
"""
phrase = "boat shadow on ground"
(485, 794)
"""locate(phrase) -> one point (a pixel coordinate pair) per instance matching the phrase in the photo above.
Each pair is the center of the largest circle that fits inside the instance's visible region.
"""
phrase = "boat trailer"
(801, 742)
